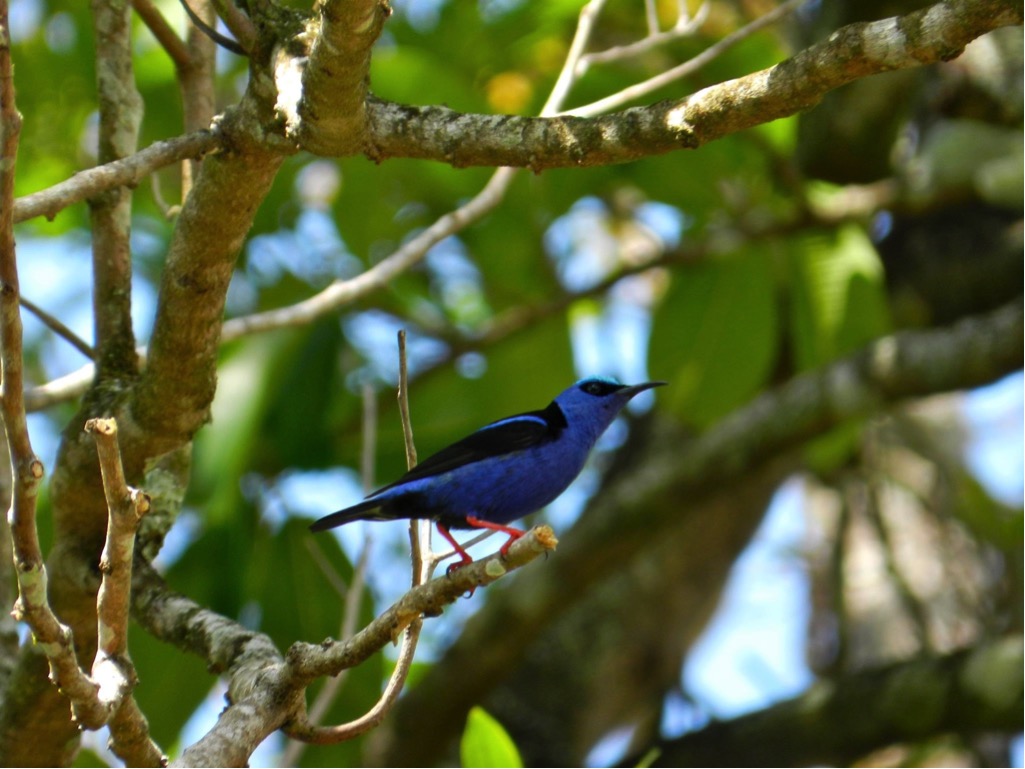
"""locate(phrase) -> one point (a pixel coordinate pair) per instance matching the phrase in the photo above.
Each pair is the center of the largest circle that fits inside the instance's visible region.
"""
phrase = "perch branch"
(309, 732)
(308, 661)
(265, 692)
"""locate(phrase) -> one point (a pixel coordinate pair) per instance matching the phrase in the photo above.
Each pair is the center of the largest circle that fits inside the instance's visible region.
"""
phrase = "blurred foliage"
(741, 297)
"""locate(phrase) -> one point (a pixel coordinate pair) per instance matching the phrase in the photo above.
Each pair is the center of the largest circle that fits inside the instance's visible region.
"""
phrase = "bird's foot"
(504, 549)
(452, 568)
(513, 534)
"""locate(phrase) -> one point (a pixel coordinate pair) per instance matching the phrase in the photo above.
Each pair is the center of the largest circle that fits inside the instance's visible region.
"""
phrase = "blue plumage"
(502, 472)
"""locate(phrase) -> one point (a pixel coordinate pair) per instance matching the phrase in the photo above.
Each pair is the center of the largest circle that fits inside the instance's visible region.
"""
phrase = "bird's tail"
(367, 510)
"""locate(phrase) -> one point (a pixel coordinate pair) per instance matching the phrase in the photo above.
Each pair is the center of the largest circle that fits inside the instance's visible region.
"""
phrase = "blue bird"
(502, 472)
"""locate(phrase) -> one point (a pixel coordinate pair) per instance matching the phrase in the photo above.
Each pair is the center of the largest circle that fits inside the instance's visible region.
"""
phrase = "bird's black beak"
(632, 390)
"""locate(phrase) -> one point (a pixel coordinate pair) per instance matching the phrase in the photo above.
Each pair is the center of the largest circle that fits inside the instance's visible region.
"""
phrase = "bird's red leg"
(514, 534)
(463, 555)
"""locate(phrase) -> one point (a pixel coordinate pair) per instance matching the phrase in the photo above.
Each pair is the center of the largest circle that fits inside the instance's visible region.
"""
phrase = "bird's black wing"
(511, 434)
(506, 435)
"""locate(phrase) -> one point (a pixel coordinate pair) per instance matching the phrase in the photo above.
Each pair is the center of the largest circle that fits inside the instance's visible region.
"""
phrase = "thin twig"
(568, 75)
(369, 450)
(334, 579)
(684, 27)
(350, 615)
(199, 100)
(651, 17)
(419, 530)
(241, 26)
(345, 292)
(652, 84)
(210, 32)
(154, 20)
(327, 735)
(59, 328)
(332, 734)
(110, 214)
(403, 398)
(169, 210)
(354, 592)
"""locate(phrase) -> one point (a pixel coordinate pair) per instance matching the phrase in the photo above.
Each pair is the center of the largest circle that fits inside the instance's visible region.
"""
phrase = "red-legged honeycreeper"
(503, 471)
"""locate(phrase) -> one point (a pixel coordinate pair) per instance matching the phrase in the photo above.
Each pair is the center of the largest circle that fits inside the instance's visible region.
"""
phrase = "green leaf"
(486, 743)
(714, 337)
(161, 669)
(839, 295)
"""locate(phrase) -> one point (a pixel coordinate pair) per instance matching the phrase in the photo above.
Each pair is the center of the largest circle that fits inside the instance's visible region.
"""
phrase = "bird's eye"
(595, 387)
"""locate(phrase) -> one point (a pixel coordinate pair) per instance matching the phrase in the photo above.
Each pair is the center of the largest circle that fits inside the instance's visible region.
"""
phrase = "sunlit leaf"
(839, 295)
(485, 743)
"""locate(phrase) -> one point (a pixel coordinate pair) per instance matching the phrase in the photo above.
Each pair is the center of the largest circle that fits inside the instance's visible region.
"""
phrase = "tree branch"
(239, 23)
(685, 25)
(196, 83)
(934, 34)
(328, 114)
(110, 212)
(182, 357)
(209, 31)
(838, 722)
(309, 661)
